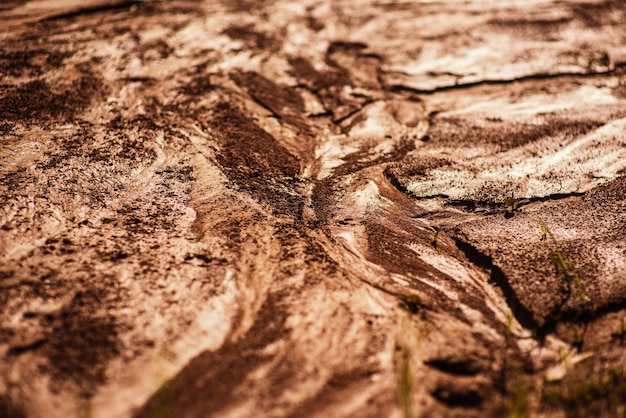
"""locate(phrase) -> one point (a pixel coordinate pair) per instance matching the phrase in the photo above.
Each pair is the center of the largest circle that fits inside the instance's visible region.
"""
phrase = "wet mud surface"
(312, 209)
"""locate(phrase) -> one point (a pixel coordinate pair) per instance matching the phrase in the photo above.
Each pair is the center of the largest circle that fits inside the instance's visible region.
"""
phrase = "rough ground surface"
(305, 208)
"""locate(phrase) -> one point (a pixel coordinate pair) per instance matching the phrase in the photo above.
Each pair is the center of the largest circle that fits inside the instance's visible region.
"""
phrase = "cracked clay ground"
(312, 208)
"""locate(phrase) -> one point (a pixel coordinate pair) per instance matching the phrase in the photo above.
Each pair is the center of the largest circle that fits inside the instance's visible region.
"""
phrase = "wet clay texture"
(312, 209)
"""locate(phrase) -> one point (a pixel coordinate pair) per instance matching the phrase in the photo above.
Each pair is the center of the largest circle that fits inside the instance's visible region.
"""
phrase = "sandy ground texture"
(312, 208)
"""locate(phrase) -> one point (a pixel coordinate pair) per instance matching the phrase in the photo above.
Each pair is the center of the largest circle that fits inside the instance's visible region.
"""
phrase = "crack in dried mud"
(497, 277)
(617, 69)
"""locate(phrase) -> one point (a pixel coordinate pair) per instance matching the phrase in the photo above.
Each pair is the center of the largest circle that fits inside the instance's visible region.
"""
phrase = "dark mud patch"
(6, 128)
(283, 101)
(462, 367)
(278, 99)
(389, 250)
(109, 10)
(80, 336)
(609, 196)
(213, 377)
(256, 162)
(128, 142)
(11, 4)
(457, 394)
(318, 81)
(199, 86)
(30, 62)
(155, 50)
(620, 90)
(81, 342)
(323, 199)
(216, 377)
(341, 386)
(450, 131)
(365, 158)
(414, 167)
(599, 14)
(541, 29)
(252, 39)
(36, 100)
(534, 291)
(329, 85)
(315, 255)
(470, 355)
(8, 410)
(244, 5)
(353, 58)
(16, 179)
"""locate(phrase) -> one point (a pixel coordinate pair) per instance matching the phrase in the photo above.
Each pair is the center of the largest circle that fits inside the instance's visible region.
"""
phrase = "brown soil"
(312, 208)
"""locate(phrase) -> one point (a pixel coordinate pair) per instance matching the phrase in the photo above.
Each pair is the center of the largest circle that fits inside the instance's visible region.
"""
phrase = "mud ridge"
(520, 201)
(89, 10)
(580, 317)
(521, 313)
(395, 182)
(617, 68)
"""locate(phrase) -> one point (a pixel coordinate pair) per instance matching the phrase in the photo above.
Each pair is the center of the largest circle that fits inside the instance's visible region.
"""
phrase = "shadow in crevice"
(522, 314)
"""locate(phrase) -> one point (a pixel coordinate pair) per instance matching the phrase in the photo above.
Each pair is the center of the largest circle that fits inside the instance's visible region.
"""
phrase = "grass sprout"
(563, 265)
(517, 404)
(602, 396)
(435, 238)
(404, 347)
(161, 408)
(509, 324)
(405, 382)
(513, 203)
(577, 338)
